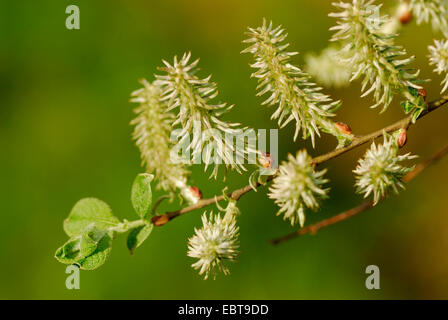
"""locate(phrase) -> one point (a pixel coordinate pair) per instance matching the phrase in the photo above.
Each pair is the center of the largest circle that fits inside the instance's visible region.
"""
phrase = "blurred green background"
(64, 135)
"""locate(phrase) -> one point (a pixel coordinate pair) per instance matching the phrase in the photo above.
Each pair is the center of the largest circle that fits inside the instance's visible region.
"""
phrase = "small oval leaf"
(99, 256)
(87, 212)
(138, 235)
(141, 195)
(88, 251)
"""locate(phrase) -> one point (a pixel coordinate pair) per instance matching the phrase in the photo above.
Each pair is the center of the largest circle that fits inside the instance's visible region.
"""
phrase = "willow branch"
(404, 123)
(312, 229)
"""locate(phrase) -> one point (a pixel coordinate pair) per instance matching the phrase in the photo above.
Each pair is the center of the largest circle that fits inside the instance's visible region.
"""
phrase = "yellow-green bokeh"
(64, 135)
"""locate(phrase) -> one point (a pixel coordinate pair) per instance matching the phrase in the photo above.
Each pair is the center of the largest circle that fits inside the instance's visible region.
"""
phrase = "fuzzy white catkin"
(297, 187)
(439, 57)
(431, 11)
(191, 98)
(379, 172)
(215, 243)
(328, 68)
(288, 88)
(373, 54)
(331, 69)
(152, 128)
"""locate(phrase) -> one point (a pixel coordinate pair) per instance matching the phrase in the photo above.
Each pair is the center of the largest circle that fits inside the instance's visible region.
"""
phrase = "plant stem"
(128, 225)
(312, 229)
(404, 123)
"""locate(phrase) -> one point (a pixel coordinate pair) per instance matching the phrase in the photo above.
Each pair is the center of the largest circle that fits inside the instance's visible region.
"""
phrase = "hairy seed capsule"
(402, 138)
(344, 128)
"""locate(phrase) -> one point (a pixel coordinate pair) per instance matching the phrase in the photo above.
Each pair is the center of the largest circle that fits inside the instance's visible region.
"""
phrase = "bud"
(404, 14)
(344, 128)
(422, 93)
(402, 138)
(159, 221)
(266, 160)
(196, 192)
(191, 194)
(405, 17)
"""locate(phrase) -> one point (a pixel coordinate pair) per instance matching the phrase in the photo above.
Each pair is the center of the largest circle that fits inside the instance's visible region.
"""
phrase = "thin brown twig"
(312, 229)
(404, 123)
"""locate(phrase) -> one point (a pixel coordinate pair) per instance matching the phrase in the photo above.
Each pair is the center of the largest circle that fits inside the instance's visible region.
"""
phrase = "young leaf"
(99, 256)
(70, 252)
(87, 246)
(88, 211)
(90, 240)
(138, 235)
(141, 195)
(88, 251)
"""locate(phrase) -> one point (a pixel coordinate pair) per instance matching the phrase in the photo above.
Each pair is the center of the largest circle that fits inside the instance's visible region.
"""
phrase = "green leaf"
(86, 212)
(407, 106)
(70, 252)
(99, 256)
(260, 177)
(90, 240)
(141, 195)
(416, 114)
(138, 235)
(89, 250)
(413, 91)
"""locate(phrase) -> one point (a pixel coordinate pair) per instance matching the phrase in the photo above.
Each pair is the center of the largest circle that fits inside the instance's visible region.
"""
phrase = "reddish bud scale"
(196, 192)
(405, 17)
(402, 138)
(422, 93)
(344, 128)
